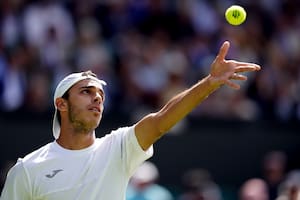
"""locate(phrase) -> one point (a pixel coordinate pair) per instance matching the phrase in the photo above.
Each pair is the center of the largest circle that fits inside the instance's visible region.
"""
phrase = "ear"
(61, 104)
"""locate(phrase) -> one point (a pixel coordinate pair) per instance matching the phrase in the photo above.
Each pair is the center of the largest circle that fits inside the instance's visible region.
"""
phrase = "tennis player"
(77, 165)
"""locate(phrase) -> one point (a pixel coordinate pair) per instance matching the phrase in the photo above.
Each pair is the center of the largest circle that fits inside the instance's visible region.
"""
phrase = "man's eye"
(85, 91)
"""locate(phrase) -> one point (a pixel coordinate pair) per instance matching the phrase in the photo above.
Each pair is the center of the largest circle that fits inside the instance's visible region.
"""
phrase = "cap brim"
(56, 126)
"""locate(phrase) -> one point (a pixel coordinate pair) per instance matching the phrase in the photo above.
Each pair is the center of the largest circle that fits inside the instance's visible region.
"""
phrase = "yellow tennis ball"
(235, 15)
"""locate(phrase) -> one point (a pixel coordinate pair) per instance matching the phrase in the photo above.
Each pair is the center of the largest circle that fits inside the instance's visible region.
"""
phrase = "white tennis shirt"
(99, 172)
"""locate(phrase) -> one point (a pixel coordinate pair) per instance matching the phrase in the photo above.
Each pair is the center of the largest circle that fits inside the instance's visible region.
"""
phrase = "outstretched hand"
(224, 71)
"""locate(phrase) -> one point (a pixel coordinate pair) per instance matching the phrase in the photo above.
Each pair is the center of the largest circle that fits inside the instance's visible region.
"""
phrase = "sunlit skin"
(81, 114)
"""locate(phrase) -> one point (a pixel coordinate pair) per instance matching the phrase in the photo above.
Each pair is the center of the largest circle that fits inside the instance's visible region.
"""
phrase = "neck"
(76, 141)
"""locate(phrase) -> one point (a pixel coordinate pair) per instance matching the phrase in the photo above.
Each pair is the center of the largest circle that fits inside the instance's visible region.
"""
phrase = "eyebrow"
(88, 87)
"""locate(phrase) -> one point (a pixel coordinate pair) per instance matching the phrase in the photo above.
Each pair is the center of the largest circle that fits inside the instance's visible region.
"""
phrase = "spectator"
(143, 184)
(290, 187)
(254, 189)
(199, 185)
(15, 80)
(274, 171)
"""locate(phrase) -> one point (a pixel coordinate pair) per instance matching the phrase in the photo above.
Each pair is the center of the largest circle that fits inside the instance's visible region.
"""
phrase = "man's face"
(85, 105)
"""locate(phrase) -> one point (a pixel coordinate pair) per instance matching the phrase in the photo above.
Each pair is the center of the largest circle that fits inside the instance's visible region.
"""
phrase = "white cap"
(63, 86)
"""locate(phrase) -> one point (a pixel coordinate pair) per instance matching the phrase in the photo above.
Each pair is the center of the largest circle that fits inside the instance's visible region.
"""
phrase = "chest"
(75, 176)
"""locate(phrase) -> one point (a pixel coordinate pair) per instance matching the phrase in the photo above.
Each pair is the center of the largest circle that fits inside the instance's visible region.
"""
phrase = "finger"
(239, 77)
(232, 85)
(223, 51)
(245, 68)
(242, 64)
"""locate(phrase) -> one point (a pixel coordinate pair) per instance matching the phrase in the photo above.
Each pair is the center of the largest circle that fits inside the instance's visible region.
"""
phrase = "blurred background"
(147, 51)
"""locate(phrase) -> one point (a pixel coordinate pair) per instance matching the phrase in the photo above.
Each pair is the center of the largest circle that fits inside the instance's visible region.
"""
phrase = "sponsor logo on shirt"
(54, 172)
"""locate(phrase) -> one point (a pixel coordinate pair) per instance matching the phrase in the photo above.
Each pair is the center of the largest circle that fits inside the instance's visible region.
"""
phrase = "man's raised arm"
(154, 125)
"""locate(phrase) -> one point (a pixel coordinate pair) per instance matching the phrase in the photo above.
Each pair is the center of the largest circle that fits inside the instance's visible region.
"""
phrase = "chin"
(95, 124)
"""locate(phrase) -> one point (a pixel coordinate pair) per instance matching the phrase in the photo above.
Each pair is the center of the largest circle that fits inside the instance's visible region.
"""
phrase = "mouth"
(95, 109)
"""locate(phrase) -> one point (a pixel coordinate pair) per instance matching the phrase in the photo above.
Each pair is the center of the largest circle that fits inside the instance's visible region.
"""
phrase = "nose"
(98, 98)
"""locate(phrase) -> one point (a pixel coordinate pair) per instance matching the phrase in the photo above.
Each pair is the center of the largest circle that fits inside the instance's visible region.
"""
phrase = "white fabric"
(99, 172)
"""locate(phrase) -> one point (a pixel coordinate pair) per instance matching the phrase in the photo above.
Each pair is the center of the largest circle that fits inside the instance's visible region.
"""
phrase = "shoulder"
(17, 184)
(118, 134)
(37, 155)
(123, 130)
(22, 164)
(17, 168)
(115, 139)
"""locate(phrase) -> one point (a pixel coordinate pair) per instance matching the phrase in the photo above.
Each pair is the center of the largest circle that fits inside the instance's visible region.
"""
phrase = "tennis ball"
(235, 15)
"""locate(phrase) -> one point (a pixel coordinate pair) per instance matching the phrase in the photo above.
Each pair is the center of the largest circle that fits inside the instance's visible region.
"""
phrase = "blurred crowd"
(276, 182)
(147, 50)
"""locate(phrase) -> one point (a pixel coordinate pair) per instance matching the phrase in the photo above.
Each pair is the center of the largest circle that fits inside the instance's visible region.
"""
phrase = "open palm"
(223, 71)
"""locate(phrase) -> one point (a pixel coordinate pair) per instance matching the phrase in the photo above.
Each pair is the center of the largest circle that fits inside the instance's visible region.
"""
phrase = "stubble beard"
(80, 125)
